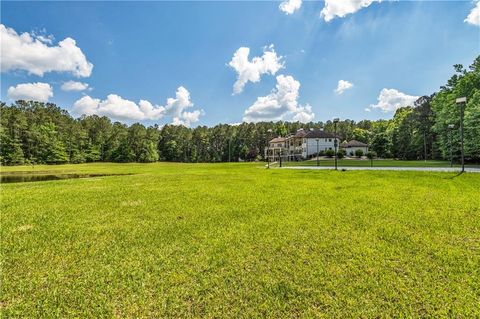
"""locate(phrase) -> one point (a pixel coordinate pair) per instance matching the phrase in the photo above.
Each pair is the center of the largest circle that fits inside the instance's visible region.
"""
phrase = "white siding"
(310, 145)
(354, 149)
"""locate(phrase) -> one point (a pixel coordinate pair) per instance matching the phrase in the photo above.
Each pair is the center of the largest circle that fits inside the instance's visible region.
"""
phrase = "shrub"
(358, 153)
(340, 154)
(329, 153)
(371, 155)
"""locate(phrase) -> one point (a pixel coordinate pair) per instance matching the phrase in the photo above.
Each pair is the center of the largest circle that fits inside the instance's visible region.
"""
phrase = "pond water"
(22, 177)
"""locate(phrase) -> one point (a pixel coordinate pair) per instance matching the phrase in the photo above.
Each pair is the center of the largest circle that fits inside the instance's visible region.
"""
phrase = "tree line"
(35, 132)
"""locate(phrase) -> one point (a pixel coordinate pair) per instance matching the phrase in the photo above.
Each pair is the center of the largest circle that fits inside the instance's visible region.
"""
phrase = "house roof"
(300, 134)
(278, 140)
(319, 134)
(353, 143)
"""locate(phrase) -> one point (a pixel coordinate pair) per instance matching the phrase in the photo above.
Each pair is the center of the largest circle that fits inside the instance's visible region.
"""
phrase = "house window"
(329, 148)
(279, 145)
(329, 139)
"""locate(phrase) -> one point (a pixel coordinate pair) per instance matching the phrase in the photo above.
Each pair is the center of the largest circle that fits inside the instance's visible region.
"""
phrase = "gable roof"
(278, 140)
(300, 133)
(353, 143)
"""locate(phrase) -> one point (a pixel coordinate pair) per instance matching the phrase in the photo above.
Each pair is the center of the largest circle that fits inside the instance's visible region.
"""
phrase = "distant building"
(352, 146)
(325, 141)
(276, 148)
(295, 145)
(301, 145)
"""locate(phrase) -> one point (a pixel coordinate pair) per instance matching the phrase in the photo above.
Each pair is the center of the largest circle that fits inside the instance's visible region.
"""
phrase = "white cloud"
(341, 8)
(253, 70)
(118, 108)
(290, 6)
(303, 114)
(474, 16)
(176, 108)
(390, 100)
(40, 92)
(187, 118)
(45, 38)
(32, 53)
(74, 86)
(343, 86)
(280, 104)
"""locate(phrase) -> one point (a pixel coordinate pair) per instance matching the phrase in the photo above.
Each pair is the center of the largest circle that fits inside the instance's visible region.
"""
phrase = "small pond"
(22, 177)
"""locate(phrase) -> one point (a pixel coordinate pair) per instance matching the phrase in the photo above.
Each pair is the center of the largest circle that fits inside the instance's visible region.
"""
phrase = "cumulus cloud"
(474, 17)
(43, 36)
(254, 69)
(187, 118)
(280, 104)
(38, 91)
(390, 100)
(176, 107)
(74, 86)
(290, 6)
(343, 86)
(341, 8)
(33, 53)
(118, 108)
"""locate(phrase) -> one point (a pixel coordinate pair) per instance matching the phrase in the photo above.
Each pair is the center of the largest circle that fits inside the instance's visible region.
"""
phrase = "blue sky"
(148, 50)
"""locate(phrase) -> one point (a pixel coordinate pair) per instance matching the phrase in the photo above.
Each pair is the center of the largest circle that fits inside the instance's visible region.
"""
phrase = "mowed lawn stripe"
(237, 240)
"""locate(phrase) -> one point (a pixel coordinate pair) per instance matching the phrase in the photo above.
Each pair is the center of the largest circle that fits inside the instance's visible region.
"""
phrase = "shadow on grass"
(454, 176)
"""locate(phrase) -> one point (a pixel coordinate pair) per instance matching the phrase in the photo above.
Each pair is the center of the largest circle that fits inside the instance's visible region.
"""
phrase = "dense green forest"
(34, 132)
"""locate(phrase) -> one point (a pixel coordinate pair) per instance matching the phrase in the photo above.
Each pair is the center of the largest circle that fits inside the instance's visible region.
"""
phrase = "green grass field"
(240, 241)
(376, 163)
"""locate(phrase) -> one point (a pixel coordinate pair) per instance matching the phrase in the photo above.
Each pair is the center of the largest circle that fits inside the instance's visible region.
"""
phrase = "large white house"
(301, 145)
(317, 141)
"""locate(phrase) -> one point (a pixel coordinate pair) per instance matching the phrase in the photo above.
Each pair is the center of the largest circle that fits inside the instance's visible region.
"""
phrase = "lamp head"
(461, 100)
(336, 120)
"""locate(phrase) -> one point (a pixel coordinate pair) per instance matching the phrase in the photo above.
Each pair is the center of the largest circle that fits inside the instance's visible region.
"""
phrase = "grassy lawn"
(240, 241)
(376, 163)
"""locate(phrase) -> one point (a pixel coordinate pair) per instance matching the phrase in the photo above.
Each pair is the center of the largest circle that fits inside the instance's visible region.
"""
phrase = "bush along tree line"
(34, 132)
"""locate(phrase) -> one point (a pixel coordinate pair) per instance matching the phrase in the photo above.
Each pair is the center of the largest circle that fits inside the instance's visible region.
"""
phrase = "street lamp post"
(318, 163)
(450, 128)
(268, 147)
(424, 145)
(335, 142)
(229, 142)
(461, 102)
(268, 156)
